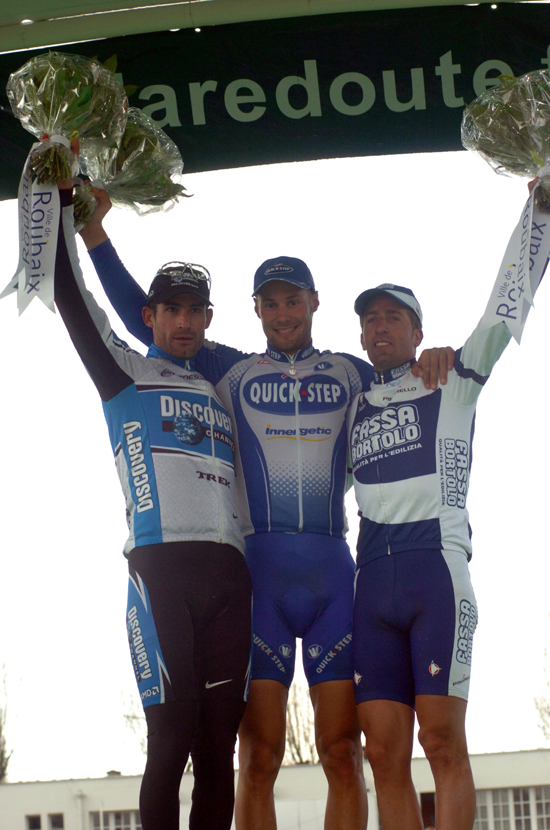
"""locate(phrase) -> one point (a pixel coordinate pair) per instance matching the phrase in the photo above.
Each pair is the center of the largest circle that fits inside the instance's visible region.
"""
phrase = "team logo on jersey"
(285, 650)
(305, 433)
(188, 429)
(357, 678)
(138, 466)
(314, 651)
(434, 669)
(324, 365)
(281, 394)
(454, 466)
(390, 429)
(467, 622)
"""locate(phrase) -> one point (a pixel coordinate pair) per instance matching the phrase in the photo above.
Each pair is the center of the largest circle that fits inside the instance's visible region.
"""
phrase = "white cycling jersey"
(410, 453)
(171, 435)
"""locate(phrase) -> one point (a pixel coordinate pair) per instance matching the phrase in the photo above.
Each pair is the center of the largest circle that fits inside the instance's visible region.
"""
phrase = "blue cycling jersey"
(289, 414)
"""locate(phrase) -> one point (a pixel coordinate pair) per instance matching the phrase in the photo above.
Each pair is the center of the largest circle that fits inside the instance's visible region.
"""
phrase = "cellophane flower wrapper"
(509, 126)
(146, 173)
(84, 204)
(67, 95)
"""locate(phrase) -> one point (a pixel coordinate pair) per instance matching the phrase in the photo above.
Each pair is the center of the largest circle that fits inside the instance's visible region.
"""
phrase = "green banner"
(329, 86)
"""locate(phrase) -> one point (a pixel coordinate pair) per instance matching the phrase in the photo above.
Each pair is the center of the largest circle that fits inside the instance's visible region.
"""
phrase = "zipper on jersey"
(292, 373)
(221, 513)
(297, 387)
(292, 362)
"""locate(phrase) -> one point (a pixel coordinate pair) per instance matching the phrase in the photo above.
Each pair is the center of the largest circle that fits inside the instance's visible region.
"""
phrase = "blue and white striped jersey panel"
(410, 453)
(292, 440)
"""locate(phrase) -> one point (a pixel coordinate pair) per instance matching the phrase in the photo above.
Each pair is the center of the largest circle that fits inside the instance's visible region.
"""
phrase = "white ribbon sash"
(39, 211)
(521, 270)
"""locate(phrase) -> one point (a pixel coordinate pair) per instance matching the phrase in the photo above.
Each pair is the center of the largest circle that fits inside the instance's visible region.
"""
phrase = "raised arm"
(87, 324)
(124, 293)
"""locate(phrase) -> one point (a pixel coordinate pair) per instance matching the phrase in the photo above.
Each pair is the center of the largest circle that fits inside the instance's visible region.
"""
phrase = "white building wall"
(75, 799)
(300, 792)
(530, 768)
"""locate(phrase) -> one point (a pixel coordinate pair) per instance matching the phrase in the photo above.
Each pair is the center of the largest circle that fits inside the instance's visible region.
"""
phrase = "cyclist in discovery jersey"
(289, 406)
(189, 594)
(415, 611)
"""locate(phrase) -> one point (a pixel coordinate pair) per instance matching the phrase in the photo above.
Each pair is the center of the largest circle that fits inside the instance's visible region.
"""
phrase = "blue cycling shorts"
(302, 587)
(414, 619)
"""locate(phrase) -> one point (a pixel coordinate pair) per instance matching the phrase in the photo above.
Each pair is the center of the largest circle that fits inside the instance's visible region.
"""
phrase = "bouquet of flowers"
(63, 96)
(509, 126)
(145, 174)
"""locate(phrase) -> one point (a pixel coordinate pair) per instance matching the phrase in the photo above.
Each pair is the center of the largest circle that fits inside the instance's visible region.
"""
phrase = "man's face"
(286, 313)
(388, 334)
(179, 324)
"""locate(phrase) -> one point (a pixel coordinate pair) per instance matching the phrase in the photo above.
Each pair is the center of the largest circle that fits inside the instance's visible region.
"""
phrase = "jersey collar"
(283, 357)
(156, 351)
(393, 374)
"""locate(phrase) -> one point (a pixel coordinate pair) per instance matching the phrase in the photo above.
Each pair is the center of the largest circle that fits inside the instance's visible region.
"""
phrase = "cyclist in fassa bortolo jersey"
(415, 612)
(289, 407)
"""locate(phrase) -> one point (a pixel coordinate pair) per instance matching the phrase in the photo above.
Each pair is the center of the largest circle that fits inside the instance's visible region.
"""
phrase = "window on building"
(482, 817)
(33, 822)
(501, 809)
(522, 809)
(116, 820)
(542, 799)
(55, 820)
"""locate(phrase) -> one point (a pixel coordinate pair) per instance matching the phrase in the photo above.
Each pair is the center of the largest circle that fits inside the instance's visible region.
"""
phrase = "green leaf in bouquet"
(111, 63)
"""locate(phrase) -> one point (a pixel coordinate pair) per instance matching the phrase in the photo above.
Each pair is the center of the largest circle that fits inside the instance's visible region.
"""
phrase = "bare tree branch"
(300, 728)
(5, 753)
(135, 720)
(542, 703)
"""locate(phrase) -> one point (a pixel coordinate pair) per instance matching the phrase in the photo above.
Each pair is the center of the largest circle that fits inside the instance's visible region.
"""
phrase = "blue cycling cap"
(286, 268)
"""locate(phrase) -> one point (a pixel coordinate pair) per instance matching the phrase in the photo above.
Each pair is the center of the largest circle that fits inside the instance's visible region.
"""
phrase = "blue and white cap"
(398, 292)
(285, 268)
